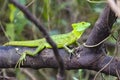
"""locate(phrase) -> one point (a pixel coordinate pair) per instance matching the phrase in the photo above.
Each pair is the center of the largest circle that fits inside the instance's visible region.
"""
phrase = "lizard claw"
(21, 60)
(71, 51)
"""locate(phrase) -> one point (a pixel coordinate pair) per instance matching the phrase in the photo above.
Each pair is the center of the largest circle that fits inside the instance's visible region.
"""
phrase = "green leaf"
(23, 2)
(20, 22)
(10, 31)
(12, 12)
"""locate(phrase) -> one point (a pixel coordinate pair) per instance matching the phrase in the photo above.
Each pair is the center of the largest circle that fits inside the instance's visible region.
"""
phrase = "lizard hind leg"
(25, 53)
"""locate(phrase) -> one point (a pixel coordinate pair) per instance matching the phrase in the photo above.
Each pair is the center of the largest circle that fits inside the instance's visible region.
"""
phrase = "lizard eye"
(83, 23)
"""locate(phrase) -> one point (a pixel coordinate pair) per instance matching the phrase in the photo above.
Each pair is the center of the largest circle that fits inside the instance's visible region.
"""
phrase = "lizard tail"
(21, 43)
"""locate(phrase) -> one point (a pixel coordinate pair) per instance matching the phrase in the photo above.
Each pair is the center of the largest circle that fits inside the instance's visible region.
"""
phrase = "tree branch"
(102, 27)
(9, 57)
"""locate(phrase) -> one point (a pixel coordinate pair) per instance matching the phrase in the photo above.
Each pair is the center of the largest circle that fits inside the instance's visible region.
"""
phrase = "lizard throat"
(77, 34)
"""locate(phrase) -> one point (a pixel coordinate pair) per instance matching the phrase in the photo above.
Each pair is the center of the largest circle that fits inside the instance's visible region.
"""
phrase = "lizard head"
(79, 28)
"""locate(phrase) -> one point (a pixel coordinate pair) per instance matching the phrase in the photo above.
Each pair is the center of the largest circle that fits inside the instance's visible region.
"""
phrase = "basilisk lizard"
(61, 40)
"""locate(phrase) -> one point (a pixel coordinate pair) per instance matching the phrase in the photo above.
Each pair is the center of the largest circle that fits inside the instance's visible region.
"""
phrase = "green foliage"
(20, 75)
(10, 31)
(12, 12)
(16, 24)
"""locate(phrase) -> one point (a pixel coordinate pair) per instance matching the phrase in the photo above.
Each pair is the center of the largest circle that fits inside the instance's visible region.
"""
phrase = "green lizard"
(61, 40)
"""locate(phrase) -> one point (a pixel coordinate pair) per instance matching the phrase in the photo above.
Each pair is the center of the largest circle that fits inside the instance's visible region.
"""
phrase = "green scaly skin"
(61, 40)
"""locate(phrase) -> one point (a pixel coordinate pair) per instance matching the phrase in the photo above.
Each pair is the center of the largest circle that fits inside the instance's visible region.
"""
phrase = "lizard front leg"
(70, 51)
(25, 53)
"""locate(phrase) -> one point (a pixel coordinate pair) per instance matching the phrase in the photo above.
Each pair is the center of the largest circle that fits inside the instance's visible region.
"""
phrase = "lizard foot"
(21, 60)
(71, 52)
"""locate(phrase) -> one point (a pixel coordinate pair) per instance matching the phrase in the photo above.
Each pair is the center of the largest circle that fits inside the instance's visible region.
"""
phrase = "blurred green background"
(56, 16)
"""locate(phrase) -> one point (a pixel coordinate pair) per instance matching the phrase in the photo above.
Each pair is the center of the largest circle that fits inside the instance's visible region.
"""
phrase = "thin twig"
(115, 53)
(103, 68)
(118, 75)
(29, 16)
(29, 74)
(27, 6)
(4, 31)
